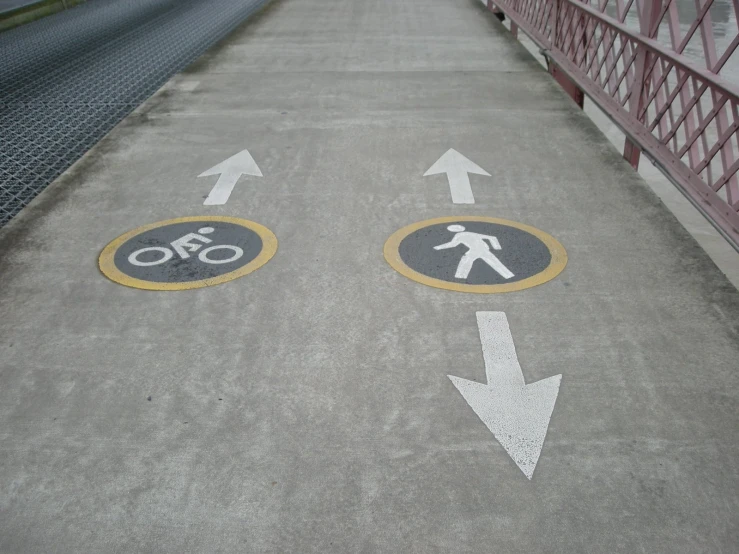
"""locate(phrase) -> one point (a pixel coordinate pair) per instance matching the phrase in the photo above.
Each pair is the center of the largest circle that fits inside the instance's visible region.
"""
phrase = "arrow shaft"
(221, 192)
(459, 186)
(499, 352)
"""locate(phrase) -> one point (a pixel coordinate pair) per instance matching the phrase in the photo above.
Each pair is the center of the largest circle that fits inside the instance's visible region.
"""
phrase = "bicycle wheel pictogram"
(187, 253)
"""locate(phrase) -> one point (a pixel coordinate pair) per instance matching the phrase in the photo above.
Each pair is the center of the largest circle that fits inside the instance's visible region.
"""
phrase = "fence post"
(649, 12)
(569, 86)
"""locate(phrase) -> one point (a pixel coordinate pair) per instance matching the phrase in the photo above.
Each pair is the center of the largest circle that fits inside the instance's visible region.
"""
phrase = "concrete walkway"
(306, 406)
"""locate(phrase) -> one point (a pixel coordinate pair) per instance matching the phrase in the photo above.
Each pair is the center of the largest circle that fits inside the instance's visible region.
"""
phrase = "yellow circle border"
(108, 268)
(555, 267)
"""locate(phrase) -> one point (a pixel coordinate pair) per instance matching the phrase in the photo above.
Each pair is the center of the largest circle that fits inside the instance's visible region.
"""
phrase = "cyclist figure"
(184, 246)
(181, 244)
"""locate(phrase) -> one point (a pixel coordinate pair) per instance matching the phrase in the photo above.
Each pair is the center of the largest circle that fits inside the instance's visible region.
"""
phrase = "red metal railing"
(628, 56)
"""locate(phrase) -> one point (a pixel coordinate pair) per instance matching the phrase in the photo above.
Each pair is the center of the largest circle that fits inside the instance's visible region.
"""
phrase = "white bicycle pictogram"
(183, 248)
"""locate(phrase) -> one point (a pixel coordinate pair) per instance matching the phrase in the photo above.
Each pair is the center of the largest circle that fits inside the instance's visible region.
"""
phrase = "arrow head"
(454, 162)
(518, 416)
(241, 163)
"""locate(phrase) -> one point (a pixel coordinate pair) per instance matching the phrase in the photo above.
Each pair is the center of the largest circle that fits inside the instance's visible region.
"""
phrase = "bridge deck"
(306, 406)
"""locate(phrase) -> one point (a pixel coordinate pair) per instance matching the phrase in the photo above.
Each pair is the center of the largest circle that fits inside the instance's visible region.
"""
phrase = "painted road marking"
(475, 254)
(187, 253)
(229, 172)
(477, 249)
(457, 167)
(516, 413)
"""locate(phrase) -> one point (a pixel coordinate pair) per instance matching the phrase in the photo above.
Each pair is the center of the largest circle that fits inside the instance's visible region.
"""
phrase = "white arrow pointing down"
(229, 172)
(516, 413)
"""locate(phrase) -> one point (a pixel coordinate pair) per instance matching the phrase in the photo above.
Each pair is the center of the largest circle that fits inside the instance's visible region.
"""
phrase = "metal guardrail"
(684, 117)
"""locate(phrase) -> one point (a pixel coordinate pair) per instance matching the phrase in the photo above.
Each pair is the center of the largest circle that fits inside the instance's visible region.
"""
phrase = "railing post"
(632, 153)
(569, 86)
(649, 12)
(501, 16)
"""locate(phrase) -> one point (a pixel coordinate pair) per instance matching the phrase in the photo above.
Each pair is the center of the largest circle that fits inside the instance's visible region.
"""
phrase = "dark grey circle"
(522, 253)
(179, 270)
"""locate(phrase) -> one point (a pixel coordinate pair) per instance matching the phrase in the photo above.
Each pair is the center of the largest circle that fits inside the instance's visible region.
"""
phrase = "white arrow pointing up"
(516, 413)
(229, 172)
(457, 167)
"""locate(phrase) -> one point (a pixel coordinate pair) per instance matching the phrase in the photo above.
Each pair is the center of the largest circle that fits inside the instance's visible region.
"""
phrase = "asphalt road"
(68, 79)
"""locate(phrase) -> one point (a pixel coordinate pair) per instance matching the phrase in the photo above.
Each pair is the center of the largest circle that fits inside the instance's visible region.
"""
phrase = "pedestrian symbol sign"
(475, 254)
(477, 249)
(187, 253)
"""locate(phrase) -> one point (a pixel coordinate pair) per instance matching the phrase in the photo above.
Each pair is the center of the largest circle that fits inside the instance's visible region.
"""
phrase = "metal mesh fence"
(67, 80)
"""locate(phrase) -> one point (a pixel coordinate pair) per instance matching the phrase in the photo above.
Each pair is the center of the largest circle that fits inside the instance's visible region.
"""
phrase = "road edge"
(26, 14)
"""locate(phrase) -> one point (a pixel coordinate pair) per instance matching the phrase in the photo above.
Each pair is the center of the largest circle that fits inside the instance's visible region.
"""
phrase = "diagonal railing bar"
(531, 7)
(627, 8)
(581, 43)
(589, 30)
(614, 63)
(686, 109)
(731, 172)
(716, 147)
(596, 47)
(630, 62)
(726, 55)
(704, 141)
(694, 26)
(608, 55)
(681, 61)
(541, 17)
(693, 120)
(570, 35)
(658, 85)
(659, 98)
(683, 115)
(704, 123)
(667, 5)
(687, 121)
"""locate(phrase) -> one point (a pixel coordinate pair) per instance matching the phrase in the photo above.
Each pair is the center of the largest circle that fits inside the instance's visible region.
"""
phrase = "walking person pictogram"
(477, 249)
(442, 252)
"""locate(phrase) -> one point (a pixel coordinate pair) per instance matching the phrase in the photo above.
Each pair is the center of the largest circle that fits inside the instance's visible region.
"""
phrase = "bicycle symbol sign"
(475, 254)
(187, 253)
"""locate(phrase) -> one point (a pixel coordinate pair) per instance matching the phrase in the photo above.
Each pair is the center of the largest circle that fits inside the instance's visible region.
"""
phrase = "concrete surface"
(716, 246)
(306, 407)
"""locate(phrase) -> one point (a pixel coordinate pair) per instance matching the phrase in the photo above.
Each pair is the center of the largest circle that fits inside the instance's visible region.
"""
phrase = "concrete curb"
(26, 14)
